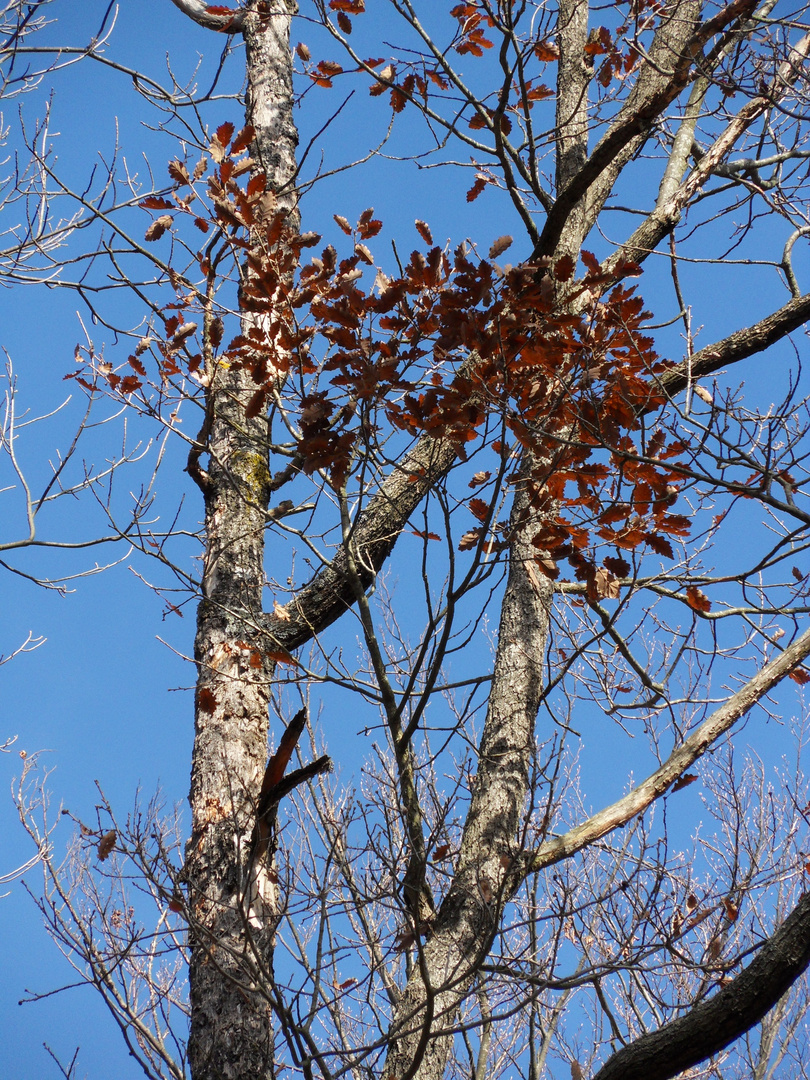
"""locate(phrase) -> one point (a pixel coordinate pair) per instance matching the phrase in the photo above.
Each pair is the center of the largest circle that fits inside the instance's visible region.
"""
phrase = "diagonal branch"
(330, 593)
(739, 345)
(714, 1024)
(637, 122)
(637, 800)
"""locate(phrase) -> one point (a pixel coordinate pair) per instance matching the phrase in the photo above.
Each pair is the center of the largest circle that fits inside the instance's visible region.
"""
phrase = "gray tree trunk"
(470, 914)
(231, 932)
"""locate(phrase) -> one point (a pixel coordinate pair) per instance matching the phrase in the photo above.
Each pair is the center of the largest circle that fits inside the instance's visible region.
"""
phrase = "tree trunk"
(231, 933)
(471, 912)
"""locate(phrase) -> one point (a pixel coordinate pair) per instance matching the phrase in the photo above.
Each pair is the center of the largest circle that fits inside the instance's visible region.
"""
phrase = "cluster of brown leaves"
(439, 350)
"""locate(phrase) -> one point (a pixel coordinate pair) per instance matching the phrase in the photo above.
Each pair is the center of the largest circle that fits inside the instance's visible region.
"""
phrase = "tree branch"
(714, 1024)
(739, 345)
(330, 593)
(637, 800)
(197, 11)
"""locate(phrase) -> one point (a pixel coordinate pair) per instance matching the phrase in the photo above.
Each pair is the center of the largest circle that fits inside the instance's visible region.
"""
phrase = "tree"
(521, 424)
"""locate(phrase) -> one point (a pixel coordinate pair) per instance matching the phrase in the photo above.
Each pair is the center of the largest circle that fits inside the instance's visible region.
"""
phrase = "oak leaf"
(106, 844)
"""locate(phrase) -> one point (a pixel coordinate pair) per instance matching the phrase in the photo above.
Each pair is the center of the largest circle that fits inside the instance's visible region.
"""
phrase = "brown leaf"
(280, 611)
(697, 599)
(479, 478)
(303, 51)
(606, 584)
(731, 909)
(404, 940)
(548, 566)
(800, 675)
(424, 231)
(206, 700)
(441, 852)
(564, 268)
(713, 949)
(797, 573)
(691, 902)
(178, 172)
(469, 540)
(106, 844)
(476, 189)
(500, 245)
(343, 223)
(158, 227)
(479, 509)
(684, 781)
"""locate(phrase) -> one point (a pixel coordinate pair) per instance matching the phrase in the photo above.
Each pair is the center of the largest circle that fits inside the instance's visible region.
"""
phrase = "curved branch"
(714, 1024)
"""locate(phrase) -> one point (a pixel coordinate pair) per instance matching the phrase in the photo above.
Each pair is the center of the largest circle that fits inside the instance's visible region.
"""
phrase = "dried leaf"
(476, 189)
(684, 781)
(106, 844)
(343, 223)
(479, 478)
(424, 231)
(178, 172)
(303, 51)
(441, 852)
(697, 599)
(158, 227)
(606, 584)
(280, 611)
(703, 394)
(691, 902)
(800, 675)
(404, 940)
(500, 245)
(469, 540)
(731, 909)
(206, 700)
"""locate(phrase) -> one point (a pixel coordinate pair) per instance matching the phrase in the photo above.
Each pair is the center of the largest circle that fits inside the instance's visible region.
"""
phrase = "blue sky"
(103, 699)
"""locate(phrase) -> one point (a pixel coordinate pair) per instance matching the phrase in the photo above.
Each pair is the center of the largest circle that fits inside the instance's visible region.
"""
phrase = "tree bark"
(231, 932)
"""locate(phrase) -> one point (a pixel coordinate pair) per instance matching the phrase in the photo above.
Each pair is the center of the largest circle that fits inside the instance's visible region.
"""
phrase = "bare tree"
(634, 526)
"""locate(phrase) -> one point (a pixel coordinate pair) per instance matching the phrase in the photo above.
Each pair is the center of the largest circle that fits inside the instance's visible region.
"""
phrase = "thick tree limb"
(714, 1024)
(629, 127)
(739, 345)
(637, 800)
(673, 199)
(330, 593)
